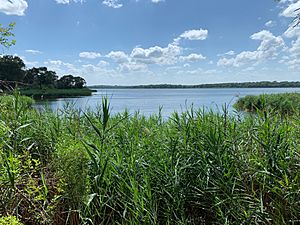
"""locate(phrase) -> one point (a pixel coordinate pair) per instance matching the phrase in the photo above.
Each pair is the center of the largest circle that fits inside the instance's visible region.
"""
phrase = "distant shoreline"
(262, 84)
(53, 93)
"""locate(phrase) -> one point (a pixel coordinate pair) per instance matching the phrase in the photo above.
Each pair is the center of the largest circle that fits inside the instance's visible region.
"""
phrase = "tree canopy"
(13, 69)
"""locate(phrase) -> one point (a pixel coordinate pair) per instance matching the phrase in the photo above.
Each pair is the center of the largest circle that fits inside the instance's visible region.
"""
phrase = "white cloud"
(112, 3)
(156, 55)
(13, 7)
(118, 56)
(103, 63)
(270, 23)
(192, 58)
(157, 1)
(292, 59)
(132, 67)
(230, 53)
(35, 52)
(268, 49)
(192, 35)
(63, 1)
(195, 35)
(292, 32)
(295, 49)
(68, 1)
(291, 10)
(89, 55)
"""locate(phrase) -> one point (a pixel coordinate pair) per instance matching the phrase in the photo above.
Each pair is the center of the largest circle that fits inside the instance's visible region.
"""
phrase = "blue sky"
(158, 41)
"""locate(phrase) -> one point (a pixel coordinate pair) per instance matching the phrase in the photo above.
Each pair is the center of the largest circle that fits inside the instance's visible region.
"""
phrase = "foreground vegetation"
(48, 93)
(70, 167)
(286, 103)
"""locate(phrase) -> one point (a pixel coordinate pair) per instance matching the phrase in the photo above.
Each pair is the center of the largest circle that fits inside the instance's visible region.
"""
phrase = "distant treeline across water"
(261, 84)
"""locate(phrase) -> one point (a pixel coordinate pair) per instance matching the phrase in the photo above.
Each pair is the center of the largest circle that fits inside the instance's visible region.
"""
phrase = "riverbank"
(194, 168)
(261, 84)
(52, 93)
(284, 103)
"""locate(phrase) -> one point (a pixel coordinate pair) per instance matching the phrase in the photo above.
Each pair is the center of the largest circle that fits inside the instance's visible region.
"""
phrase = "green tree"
(41, 77)
(79, 82)
(66, 81)
(12, 68)
(69, 81)
(6, 35)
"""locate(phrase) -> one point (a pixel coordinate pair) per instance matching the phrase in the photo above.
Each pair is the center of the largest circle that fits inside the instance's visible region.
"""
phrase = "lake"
(148, 101)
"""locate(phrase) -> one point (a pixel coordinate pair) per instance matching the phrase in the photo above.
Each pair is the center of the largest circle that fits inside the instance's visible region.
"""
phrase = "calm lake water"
(148, 101)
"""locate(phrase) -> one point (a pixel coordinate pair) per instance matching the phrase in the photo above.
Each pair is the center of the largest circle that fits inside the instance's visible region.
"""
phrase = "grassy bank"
(195, 168)
(286, 103)
(48, 93)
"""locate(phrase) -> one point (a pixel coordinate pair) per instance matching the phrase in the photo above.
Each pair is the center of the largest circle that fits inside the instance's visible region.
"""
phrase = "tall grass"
(286, 103)
(194, 168)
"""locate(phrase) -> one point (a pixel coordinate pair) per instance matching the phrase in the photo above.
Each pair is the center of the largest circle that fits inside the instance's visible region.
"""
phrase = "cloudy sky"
(158, 41)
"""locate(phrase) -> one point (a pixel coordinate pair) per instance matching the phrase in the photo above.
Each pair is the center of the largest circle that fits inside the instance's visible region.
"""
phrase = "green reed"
(196, 167)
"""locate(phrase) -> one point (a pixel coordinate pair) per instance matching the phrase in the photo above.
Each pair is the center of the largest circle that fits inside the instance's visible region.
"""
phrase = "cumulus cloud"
(89, 55)
(294, 50)
(132, 67)
(291, 10)
(192, 58)
(118, 56)
(292, 32)
(13, 7)
(268, 49)
(156, 55)
(112, 3)
(139, 58)
(192, 35)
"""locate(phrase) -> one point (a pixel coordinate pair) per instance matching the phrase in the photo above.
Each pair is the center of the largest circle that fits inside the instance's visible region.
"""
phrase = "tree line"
(259, 84)
(13, 70)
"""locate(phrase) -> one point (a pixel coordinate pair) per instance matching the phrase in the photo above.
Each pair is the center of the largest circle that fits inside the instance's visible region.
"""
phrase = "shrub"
(9, 220)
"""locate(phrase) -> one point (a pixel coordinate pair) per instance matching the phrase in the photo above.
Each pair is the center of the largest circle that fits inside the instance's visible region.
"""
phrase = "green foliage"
(69, 81)
(71, 164)
(6, 34)
(287, 103)
(197, 167)
(40, 77)
(9, 220)
(7, 101)
(12, 68)
(12, 72)
(48, 93)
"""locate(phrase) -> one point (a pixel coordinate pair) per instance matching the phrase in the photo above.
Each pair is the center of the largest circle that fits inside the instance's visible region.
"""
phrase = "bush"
(9, 220)
(287, 103)
(8, 101)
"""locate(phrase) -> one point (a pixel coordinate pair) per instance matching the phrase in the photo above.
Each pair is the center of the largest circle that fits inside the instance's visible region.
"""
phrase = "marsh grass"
(196, 167)
(286, 103)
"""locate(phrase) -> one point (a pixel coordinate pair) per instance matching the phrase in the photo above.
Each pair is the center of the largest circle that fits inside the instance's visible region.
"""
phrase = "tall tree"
(79, 82)
(40, 77)
(69, 81)
(12, 68)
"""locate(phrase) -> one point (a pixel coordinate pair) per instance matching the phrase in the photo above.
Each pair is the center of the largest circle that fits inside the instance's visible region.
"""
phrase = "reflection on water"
(148, 101)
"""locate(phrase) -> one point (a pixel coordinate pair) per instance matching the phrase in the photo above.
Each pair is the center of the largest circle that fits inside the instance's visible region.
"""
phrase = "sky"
(131, 42)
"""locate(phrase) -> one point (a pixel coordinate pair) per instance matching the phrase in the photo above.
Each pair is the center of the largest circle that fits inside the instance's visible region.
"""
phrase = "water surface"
(148, 101)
